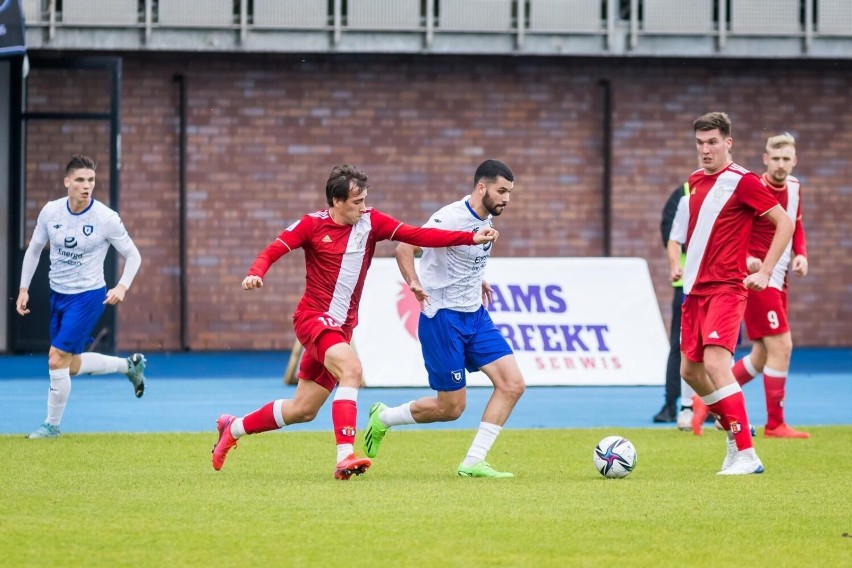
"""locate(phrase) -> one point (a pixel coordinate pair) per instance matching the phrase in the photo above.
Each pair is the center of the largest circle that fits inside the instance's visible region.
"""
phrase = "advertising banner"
(570, 321)
(11, 28)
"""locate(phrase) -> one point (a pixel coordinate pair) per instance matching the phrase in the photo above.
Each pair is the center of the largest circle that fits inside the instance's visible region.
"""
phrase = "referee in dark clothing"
(668, 413)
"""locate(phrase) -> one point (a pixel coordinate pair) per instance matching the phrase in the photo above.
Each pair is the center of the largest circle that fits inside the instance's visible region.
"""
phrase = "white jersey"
(681, 221)
(78, 245)
(452, 276)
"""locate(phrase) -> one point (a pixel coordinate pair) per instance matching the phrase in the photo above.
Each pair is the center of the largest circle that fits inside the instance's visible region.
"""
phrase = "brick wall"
(264, 131)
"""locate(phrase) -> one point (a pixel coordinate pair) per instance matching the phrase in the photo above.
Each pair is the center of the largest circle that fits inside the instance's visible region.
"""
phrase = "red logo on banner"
(408, 308)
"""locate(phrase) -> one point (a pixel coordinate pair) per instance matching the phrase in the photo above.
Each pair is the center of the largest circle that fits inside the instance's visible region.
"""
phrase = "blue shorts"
(454, 341)
(72, 318)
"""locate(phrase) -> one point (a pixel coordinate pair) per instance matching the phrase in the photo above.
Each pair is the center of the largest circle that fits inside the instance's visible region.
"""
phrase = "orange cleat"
(352, 465)
(784, 431)
(226, 440)
(700, 412)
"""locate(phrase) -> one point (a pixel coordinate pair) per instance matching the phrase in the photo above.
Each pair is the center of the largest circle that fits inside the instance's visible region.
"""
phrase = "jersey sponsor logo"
(57, 226)
(326, 239)
(88, 229)
(71, 258)
(70, 242)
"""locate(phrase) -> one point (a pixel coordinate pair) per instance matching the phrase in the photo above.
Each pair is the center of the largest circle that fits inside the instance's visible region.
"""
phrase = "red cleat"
(700, 412)
(352, 465)
(784, 431)
(226, 440)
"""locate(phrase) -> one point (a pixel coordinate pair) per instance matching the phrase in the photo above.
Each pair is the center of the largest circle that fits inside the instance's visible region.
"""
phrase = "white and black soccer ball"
(614, 457)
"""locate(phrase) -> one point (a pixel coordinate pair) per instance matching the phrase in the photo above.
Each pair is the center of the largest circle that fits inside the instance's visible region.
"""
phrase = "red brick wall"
(265, 131)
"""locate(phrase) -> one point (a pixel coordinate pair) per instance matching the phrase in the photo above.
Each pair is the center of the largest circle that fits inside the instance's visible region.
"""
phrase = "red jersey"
(722, 207)
(790, 198)
(337, 257)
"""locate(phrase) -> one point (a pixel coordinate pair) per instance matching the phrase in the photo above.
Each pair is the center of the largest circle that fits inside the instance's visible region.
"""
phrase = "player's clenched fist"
(486, 234)
(252, 282)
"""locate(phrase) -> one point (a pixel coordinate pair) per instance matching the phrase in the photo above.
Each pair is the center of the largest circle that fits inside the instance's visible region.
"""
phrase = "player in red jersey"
(724, 199)
(339, 244)
(766, 311)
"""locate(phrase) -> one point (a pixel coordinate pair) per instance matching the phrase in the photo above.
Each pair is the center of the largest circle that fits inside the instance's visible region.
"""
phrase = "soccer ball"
(614, 457)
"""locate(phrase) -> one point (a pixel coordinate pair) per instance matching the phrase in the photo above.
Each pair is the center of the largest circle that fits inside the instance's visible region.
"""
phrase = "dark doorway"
(70, 106)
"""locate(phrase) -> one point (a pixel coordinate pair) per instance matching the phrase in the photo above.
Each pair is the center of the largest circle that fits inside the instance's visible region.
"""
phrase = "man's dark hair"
(490, 170)
(712, 121)
(80, 162)
(339, 181)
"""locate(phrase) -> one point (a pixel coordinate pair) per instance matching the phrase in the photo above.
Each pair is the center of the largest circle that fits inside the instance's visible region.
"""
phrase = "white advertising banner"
(570, 321)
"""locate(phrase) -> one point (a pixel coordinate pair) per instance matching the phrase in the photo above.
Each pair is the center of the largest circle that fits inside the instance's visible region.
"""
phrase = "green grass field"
(154, 500)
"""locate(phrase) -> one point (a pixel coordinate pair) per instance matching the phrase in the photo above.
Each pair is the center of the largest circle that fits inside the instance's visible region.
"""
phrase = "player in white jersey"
(455, 330)
(80, 231)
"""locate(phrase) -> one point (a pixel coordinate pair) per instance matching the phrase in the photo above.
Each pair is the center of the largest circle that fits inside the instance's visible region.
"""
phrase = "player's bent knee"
(300, 415)
(514, 389)
(450, 412)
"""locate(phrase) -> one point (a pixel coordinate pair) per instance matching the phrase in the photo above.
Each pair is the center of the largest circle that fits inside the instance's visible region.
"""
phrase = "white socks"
(749, 366)
(398, 415)
(482, 442)
(237, 428)
(97, 364)
(57, 395)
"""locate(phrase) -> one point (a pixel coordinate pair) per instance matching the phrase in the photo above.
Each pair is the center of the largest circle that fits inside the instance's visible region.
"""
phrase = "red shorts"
(710, 320)
(317, 333)
(766, 313)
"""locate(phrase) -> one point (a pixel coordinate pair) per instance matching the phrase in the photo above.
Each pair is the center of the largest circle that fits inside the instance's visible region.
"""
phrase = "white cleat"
(136, 364)
(684, 419)
(732, 453)
(744, 463)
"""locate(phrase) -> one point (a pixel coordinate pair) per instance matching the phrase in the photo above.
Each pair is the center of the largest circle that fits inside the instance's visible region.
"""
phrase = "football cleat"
(375, 430)
(743, 464)
(684, 419)
(45, 431)
(784, 431)
(481, 469)
(700, 412)
(136, 364)
(731, 453)
(226, 440)
(351, 465)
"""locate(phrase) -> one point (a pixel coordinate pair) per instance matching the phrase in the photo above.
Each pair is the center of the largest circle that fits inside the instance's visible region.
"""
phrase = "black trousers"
(673, 365)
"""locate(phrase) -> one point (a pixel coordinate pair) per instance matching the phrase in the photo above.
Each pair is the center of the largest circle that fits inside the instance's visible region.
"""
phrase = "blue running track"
(186, 392)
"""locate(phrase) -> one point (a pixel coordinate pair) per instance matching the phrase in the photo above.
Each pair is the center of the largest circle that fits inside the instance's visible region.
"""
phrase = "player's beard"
(779, 179)
(493, 208)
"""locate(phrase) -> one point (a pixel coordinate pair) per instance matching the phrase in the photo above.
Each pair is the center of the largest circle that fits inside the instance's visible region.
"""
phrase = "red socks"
(343, 415)
(733, 411)
(774, 383)
(741, 373)
(261, 420)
